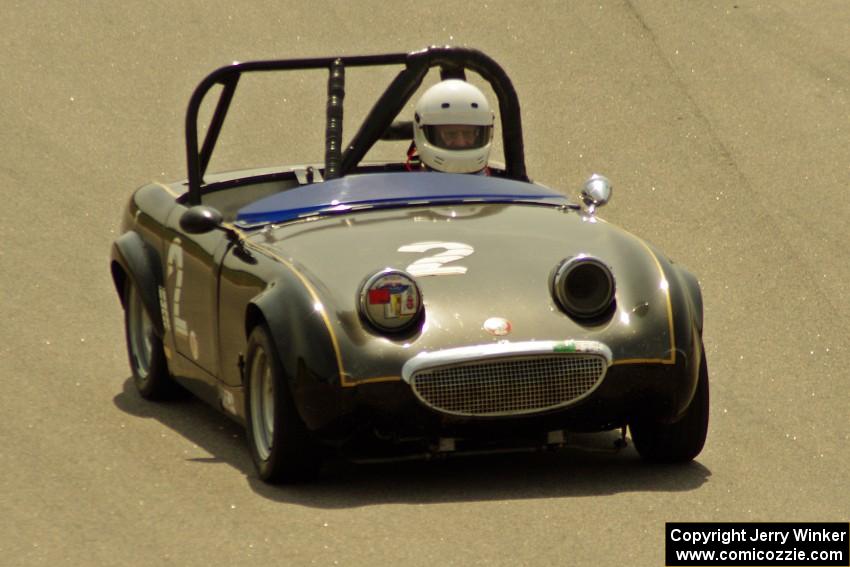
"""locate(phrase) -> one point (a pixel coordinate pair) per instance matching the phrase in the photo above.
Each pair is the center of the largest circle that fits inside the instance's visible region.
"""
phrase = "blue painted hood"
(392, 190)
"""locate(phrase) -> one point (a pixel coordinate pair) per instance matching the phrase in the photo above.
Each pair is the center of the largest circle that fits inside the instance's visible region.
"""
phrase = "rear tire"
(681, 440)
(281, 446)
(145, 350)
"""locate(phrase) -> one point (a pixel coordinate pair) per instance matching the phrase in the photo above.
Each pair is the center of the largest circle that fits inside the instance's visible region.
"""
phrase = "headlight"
(584, 287)
(391, 301)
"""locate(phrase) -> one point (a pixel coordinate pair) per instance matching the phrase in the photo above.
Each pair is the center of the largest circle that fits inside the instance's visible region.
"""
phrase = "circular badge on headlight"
(391, 301)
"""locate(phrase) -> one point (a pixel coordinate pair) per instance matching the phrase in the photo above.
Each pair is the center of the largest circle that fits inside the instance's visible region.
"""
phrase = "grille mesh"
(509, 386)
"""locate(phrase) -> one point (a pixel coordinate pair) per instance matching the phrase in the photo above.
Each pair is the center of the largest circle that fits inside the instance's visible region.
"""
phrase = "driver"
(453, 128)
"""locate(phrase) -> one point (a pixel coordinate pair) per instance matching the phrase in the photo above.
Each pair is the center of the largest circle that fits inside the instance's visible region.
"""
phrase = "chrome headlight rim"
(564, 278)
(405, 322)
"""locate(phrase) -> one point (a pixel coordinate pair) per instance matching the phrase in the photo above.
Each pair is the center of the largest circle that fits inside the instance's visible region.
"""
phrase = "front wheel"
(147, 356)
(681, 440)
(281, 446)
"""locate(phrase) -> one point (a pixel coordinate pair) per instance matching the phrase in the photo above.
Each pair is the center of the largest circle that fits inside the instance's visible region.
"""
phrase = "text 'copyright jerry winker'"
(743, 544)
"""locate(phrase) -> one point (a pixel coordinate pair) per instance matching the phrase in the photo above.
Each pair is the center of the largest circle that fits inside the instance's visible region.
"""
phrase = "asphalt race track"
(725, 127)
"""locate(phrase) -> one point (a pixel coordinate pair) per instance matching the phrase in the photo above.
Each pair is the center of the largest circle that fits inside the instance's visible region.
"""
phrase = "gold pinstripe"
(345, 380)
(378, 379)
(343, 377)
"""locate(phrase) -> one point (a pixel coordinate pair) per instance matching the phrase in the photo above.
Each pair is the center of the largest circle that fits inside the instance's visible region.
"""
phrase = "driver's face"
(457, 136)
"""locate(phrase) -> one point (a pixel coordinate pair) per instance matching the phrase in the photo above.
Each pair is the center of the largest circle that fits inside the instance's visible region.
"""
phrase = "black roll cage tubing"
(452, 60)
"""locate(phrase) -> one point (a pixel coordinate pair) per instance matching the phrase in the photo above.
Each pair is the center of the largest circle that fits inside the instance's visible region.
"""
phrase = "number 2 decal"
(436, 265)
(174, 265)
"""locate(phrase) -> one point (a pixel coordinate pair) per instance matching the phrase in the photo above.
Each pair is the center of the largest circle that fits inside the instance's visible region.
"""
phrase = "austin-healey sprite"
(356, 307)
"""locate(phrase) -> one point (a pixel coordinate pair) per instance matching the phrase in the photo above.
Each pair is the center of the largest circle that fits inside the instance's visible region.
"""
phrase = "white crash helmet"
(453, 127)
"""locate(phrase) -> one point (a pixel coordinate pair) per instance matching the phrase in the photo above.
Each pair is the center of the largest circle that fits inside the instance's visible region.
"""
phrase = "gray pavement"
(725, 127)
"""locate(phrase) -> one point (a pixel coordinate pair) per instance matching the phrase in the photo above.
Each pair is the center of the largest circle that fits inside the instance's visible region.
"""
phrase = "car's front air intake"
(511, 384)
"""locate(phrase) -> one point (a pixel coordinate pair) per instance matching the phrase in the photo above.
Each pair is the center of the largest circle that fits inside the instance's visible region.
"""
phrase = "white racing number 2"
(174, 266)
(435, 265)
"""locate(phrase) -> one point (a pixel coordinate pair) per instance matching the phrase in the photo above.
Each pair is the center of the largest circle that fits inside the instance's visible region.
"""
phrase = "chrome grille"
(509, 386)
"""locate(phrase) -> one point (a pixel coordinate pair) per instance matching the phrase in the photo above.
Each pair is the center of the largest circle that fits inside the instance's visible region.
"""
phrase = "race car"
(361, 309)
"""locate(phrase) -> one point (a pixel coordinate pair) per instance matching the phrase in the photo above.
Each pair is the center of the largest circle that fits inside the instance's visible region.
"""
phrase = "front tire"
(145, 350)
(681, 440)
(280, 443)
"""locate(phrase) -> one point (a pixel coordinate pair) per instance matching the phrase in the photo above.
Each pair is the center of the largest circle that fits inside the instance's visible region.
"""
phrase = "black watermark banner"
(820, 544)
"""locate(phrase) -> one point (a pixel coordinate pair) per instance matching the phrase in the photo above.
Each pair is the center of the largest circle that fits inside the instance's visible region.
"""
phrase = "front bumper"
(393, 409)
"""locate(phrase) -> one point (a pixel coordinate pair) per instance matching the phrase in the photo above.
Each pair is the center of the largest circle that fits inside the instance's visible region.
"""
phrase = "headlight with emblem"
(391, 301)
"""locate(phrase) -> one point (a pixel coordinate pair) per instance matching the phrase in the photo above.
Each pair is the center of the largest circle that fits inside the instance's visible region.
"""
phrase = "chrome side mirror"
(595, 193)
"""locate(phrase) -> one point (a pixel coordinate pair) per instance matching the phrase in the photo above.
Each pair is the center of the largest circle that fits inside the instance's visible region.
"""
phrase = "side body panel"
(180, 274)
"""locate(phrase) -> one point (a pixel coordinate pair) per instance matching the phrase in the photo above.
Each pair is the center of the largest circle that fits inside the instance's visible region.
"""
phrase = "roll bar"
(338, 162)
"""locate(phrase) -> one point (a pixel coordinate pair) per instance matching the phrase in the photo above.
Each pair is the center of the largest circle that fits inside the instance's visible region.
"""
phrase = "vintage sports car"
(359, 309)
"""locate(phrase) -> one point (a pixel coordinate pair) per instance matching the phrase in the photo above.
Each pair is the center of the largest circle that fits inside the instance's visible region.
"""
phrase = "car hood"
(473, 262)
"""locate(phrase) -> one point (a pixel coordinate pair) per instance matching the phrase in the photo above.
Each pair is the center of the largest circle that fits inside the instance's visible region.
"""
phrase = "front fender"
(132, 258)
(686, 300)
(693, 295)
(301, 330)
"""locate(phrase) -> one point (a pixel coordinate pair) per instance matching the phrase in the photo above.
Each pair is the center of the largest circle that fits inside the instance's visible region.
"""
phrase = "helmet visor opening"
(458, 136)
